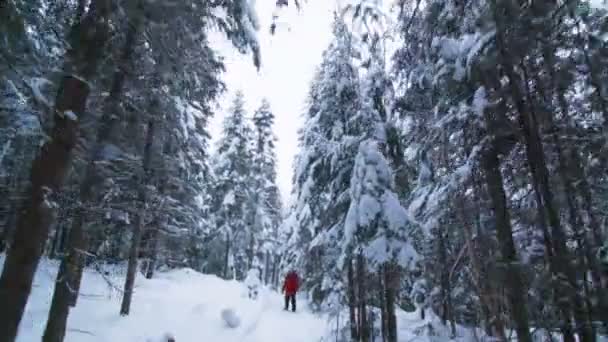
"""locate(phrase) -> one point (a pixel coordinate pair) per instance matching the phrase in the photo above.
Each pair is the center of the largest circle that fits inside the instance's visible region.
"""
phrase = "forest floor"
(188, 306)
(182, 303)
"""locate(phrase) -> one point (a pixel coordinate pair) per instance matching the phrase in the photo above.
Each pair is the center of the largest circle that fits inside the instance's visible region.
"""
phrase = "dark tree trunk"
(50, 167)
(138, 228)
(125, 306)
(70, 272)
(266, 267)
(364, 332)
(515, 292)
(390, 281)
(64, 290)
(560, 262)
(565, 164)
(382, 300)
(152, 253)
(6, 235)
(227, 257)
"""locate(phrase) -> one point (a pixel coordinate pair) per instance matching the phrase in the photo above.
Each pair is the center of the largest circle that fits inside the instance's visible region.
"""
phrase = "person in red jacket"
(290, 287)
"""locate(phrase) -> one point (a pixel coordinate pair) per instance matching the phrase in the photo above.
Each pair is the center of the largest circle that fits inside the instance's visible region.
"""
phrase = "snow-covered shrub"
(253, 283)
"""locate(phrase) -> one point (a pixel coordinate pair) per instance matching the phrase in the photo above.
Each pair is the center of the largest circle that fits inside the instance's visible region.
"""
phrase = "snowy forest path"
(182, 303)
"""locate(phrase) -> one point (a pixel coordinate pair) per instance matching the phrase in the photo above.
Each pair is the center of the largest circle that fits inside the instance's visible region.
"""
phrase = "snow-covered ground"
(190, 306)
(183, 303)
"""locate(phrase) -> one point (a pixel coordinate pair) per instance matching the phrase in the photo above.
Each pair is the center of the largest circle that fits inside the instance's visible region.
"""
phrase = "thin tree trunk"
(50, 167)
(382, 299)
(59, 232)
(444, 279)
(127, 297)
(138, 229)
(227, 257)
(152, 253)
(352, 303)
(364, 332)
(266, 267)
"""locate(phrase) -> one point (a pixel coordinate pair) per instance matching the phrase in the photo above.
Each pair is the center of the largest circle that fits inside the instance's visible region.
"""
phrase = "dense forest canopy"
(453, 161)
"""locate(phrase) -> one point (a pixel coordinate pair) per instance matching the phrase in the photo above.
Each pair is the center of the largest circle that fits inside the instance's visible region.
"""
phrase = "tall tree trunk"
(560, 262)
(515, 292)
(70, 272)
(364, 333)
(494, 324)
(50, 167)
(352, 302)
(138, 228)
(444, 278)
(390, 281)
(58, 314)
(565, 164)
(382, 300)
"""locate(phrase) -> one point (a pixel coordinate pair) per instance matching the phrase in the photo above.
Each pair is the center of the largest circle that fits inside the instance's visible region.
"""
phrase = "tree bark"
(390, 280)
(138, 229)
(64, 291)
(559, 263)
(70, 272)
(227, 257)
(152, 253)
(266, 267)
(352, 303)
(383, 311)
(515, 292)
(50, 167)
(125, 306)
(364, 332)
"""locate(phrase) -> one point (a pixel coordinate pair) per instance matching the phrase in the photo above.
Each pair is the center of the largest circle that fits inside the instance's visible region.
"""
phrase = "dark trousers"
(290, 298)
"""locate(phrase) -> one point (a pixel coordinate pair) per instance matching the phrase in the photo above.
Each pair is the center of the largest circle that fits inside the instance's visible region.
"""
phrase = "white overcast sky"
(289, 60)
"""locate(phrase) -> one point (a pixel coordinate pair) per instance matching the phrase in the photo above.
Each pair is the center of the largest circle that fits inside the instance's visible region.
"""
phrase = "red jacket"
(291, 284)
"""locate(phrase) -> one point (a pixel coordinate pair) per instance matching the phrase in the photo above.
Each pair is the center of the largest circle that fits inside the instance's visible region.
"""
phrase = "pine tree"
(233, 189)
(266, 195)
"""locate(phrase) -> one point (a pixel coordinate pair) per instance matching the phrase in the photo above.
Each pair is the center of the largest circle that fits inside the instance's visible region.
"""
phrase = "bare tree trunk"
(586, 247)
(494, 324)
(390, 281)
(152, 253)
(548, 211)
(352, 303)
(266, 267)
(125, 306)
(382, 299)
(138, 228)
(516, 294)
(50, 167)
(58, 314)
(227, 257)
(364, 332)
(70, 272)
